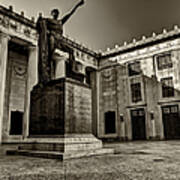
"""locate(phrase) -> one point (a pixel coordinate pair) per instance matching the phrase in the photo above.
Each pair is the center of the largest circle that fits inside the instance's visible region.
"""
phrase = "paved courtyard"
(132, 160)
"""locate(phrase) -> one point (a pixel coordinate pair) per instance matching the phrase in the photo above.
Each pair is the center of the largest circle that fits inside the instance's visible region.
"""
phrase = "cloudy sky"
(103, 23)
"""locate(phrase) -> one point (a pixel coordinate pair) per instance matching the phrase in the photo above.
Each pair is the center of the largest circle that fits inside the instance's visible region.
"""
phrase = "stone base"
(67, 147)
(60, 155)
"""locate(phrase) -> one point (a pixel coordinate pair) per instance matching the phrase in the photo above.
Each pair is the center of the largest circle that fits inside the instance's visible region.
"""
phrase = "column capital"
(58, 54)
(32, 48)
(4, 35)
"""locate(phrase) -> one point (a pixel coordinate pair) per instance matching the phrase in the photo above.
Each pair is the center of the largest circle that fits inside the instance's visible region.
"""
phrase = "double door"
(171, 122)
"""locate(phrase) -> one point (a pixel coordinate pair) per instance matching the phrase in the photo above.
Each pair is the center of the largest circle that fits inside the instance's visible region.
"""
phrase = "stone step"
(42, 147)
(60, 155)
(61, 147)
(42, 154)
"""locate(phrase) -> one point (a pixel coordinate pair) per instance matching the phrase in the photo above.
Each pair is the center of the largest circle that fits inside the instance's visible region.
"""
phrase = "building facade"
(135, 87)
(139, 89)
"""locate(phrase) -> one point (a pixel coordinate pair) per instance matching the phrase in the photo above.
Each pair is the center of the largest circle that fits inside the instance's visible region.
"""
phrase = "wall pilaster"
(4, 38)
(31, 81)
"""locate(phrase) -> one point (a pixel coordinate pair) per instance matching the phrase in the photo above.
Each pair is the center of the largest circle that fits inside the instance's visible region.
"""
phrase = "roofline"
(174, 34)
(80, 47)
(7, 12)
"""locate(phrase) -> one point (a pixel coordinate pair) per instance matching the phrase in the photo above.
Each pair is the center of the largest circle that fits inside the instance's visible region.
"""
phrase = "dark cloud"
(102, 23)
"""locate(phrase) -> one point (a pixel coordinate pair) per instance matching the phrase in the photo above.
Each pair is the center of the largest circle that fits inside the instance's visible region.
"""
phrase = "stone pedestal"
(60, 122)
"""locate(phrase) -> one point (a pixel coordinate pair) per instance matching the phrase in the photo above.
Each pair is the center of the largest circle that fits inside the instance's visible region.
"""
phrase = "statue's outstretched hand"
(81, 2)
(66, 17)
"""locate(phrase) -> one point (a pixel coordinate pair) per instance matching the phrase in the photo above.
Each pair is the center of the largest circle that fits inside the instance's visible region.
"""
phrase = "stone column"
(98, 101)
(122, 130)
(32, 79)
(4, 38)
(93, 84)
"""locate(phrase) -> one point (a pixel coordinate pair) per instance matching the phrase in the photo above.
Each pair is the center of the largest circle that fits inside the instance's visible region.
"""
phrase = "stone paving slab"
(134, 160)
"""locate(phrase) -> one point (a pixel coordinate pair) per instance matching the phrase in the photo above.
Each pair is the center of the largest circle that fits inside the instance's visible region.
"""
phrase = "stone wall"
(15, 90)
(113, 97)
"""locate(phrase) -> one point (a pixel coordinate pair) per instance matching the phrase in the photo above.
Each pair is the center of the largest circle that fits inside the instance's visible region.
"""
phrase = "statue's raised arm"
(50, 30)
(66, 17)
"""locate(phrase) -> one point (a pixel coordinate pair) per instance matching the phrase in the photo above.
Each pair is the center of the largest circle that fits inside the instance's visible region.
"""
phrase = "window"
(167, 87)
(138, 113)
(136, 92)
(164, 61)
(88, 77)
(78, 67)
(110, 125)
(77, 53)
(16, 123)
(134, 69)
(170, 109)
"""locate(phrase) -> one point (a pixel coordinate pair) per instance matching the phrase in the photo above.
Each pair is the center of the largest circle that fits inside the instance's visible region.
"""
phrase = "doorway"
(110, 122)
(171, 121)
(138, 124)
(16, 123)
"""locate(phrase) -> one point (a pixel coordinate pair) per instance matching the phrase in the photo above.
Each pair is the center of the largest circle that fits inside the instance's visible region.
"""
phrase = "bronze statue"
(50, 33)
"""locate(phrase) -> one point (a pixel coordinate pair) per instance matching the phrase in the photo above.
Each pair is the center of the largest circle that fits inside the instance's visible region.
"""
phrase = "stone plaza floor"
(132, 160)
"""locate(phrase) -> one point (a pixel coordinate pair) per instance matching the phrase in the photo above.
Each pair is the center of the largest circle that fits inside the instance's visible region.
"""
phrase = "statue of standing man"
(50, 33)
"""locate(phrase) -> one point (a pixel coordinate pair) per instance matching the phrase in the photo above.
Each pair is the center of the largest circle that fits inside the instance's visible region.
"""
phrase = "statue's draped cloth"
(44, 64)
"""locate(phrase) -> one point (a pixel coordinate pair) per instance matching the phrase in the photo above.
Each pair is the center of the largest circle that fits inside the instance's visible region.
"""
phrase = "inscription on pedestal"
(47, 110)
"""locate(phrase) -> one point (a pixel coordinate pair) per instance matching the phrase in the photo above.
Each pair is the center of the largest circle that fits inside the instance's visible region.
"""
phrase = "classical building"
(139, 86)
(135, 88)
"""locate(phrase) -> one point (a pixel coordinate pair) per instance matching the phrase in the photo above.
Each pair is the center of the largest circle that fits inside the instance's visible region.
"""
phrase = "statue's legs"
(68, 50)
(57, 44)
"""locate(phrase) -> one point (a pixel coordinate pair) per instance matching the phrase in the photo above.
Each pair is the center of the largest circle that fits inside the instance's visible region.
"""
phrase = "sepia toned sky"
(103, 23)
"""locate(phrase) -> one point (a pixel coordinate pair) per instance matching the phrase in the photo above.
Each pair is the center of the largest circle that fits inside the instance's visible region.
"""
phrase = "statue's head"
(55, 13)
